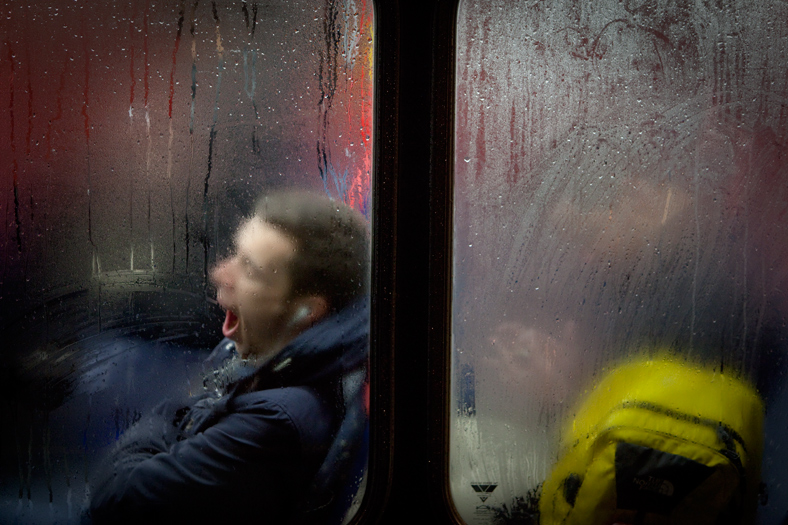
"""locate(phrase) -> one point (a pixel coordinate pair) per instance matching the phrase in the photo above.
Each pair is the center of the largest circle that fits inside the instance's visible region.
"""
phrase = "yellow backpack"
(659, 442)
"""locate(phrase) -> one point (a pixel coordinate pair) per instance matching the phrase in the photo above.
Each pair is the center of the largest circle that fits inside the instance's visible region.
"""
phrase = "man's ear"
(309, 310)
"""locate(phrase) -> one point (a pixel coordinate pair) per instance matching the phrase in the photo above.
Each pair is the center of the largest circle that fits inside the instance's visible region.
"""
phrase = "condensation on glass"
(621, 191)
(134, 135)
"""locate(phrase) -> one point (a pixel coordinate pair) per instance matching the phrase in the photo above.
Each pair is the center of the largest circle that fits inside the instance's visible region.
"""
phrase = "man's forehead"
(255, 237)
(245, 229)
(249, 229)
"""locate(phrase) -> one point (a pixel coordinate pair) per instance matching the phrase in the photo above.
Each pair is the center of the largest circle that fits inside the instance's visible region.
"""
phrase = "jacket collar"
(332, 348)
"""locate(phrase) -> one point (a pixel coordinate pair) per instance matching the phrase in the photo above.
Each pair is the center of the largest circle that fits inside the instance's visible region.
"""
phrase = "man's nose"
(221, 274)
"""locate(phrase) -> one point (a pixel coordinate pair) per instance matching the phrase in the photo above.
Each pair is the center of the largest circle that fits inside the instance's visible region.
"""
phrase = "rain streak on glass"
(621, 194)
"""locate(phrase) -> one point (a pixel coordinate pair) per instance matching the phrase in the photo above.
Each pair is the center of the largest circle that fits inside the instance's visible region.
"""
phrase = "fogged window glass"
(621, 227)
(136, 137)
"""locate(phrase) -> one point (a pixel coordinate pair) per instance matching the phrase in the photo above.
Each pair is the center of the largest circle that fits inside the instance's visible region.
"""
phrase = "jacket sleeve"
(246, 463)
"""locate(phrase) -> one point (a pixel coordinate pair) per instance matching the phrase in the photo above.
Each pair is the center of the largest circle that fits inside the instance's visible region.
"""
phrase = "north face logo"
(654, 481)
(652, 484)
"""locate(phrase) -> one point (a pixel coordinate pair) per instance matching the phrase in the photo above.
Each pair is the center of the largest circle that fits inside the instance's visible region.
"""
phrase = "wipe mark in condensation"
(58, 109)
(212, 136)
(132, 76)
(149, 152)
(250, 73)
(14, 164)
(246, 17)
(327, 81)
(215, 118)
(30, 112)
(192, 30)
(181, 13)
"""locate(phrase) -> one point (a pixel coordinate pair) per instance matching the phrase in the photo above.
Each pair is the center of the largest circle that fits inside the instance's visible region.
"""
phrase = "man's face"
(535, 364)
(253, 286)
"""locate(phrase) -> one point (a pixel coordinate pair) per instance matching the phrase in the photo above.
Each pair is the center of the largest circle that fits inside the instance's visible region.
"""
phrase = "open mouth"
(230, 325)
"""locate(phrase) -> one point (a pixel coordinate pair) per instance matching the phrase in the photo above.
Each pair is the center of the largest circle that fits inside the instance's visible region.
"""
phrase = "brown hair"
(332, 244)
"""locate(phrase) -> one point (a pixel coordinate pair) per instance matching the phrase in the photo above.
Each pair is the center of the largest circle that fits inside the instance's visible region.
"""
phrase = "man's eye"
(249, 268)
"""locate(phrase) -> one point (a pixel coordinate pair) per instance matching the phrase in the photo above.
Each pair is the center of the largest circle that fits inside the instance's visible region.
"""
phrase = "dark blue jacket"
(249, 455)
